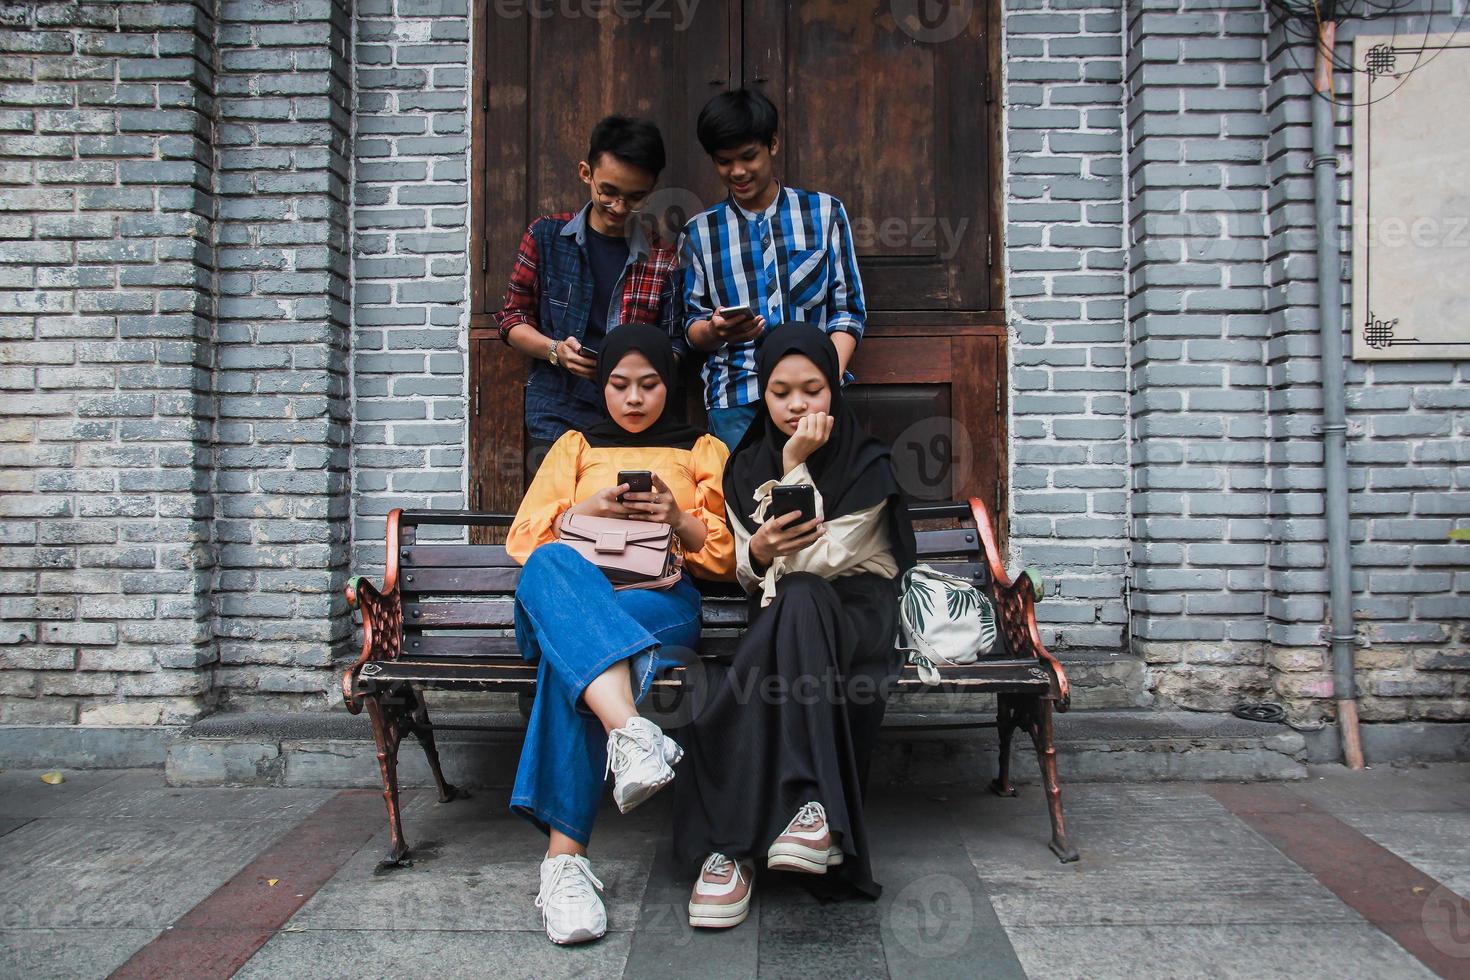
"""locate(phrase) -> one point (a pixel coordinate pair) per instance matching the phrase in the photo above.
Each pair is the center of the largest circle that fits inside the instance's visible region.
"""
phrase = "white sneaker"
(641, 759)
(568, 900)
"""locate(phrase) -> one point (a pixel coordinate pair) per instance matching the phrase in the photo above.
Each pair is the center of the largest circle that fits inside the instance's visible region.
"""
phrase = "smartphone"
(588, 351)
(638, 481)
(735, 312)
(800, 498)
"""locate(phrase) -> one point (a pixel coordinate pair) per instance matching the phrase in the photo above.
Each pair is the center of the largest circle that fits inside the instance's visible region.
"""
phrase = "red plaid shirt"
(550, 290)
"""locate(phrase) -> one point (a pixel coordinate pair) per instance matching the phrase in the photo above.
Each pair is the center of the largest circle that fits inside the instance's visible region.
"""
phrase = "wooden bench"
(443, 619)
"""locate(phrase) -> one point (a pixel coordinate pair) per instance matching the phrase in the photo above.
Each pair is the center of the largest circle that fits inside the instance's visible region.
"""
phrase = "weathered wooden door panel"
(894, 127)
(900, 129)
(939, 401)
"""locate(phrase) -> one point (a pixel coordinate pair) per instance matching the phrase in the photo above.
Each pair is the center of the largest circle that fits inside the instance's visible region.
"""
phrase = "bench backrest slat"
(453, 594)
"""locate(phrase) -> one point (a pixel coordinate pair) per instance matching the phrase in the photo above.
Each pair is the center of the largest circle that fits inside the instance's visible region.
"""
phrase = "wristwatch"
(551, 354)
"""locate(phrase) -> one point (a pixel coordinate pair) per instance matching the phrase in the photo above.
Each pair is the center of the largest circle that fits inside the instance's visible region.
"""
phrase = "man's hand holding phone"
(569, 355)
(737, 324)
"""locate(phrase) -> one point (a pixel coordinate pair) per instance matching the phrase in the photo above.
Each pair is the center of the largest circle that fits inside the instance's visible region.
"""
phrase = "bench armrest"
(1016, 605)
(382, 616)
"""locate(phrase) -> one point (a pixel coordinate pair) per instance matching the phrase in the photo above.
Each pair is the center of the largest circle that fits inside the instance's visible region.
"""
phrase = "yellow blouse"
(574, 471)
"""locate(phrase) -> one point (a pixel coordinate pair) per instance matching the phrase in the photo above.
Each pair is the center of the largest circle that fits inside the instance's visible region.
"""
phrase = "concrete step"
(918, 748)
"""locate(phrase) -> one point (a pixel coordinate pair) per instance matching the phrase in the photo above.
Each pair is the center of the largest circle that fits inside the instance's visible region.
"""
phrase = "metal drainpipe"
(1334, 410)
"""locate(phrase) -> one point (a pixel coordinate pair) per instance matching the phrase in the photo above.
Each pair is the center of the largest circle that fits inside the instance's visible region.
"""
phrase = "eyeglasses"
(633, 202)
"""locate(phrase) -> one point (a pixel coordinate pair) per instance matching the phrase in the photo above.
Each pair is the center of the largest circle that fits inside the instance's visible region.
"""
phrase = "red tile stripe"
(217, 936)
(1419, 913)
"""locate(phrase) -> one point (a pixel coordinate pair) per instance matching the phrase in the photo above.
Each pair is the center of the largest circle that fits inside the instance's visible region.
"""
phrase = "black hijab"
(852, 472)
(667, 430)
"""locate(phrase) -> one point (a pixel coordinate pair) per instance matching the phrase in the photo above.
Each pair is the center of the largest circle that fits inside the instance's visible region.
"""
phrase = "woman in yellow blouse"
(598, 650)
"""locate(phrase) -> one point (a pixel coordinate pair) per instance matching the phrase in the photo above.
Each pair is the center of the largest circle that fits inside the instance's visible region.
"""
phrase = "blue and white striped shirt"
(792, 263)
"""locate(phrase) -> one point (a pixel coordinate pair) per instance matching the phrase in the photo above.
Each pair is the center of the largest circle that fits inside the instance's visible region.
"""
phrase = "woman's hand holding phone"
(660, 507)
(781, 536)
(603, 503)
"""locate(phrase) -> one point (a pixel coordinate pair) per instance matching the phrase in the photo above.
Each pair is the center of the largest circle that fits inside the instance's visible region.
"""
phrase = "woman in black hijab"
(780, 751)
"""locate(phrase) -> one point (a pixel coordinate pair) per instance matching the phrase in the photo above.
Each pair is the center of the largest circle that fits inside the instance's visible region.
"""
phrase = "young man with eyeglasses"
(579, 275)
(767, 254)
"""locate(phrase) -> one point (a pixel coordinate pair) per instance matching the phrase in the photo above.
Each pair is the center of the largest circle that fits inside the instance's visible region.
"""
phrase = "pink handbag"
(632, 554)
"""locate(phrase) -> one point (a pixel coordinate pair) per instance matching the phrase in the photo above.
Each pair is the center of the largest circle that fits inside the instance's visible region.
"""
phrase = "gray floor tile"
(1211, 952)
(1438, 844)
(476, 868)
(143, 796)
(1396, 789)
(128, 874)
(1150, 855)
(312, 955)
(665, 945)
(68, 954)
(937, 920)
(22, 794)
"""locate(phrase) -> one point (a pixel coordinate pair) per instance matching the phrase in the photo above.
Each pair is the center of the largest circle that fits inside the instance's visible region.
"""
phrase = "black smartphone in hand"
(588, 352)
(800, 497)
(638, 481)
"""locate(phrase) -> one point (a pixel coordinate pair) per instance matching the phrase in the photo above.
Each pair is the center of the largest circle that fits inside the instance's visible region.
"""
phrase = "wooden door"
(902, 130)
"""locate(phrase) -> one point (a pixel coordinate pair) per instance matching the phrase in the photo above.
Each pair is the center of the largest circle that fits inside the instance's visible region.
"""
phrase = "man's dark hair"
(735, 118)
(634, 141)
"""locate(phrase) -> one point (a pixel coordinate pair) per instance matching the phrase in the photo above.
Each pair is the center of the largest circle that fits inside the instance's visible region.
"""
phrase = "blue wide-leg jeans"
(572, 624)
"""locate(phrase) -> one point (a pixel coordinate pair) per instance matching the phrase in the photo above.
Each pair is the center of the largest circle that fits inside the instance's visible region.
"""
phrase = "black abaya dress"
(792, 718)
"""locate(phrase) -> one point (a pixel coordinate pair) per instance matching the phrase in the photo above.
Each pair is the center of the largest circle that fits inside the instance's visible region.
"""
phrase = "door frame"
(491, 250)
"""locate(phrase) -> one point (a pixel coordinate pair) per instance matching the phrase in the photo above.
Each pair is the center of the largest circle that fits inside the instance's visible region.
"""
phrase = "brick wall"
(1201, 500)
(281, 352)
(411, 245)
(105, 310)
(233, 322)
(1408, 423)
(1228, 533)
(1065, 286)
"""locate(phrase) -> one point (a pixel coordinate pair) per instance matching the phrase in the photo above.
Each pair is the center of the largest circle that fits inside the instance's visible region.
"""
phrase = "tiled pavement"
(1176, 879)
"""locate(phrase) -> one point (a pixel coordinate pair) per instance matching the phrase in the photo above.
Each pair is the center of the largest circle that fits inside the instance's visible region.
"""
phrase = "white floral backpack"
(943, 619)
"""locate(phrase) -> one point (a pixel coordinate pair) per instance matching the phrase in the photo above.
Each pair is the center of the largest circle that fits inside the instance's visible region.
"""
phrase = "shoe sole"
(575, 936)
(793, 857)
(640, 792)
(705, 916)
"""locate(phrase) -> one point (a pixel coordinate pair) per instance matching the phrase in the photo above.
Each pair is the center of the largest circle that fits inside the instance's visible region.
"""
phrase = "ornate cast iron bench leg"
(387, 733)
(416, 718)
(1005, 724)
(1039, 725)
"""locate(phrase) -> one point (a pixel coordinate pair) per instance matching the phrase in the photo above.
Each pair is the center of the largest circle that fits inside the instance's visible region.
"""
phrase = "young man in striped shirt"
(766, 255)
